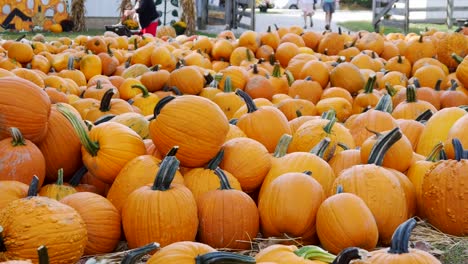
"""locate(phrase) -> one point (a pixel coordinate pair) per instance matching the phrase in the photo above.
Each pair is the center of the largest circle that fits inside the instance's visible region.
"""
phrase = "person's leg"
(305, 19)
(311, 21)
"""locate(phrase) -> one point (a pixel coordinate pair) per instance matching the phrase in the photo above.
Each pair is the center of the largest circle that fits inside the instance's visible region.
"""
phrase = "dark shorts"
(329, 7)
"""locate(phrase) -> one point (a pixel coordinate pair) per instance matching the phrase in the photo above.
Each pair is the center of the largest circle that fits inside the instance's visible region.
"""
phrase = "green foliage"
(357, 3)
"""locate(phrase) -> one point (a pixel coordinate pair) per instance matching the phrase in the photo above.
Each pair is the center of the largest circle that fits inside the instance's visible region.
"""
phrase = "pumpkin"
(90, 65)
(137, 122)
(223, 212)
(399, 251)
(195, 124)
(183, 252)
(102, 221)
(167, 30)
(20, 51)
(12, 190)
(457, 130)
(99, 147)
(56, 28)
(188, 79)
(203, 180)
(27, 220)
(418, 48)
(21, 159)
(155, 79)
(443, 185)
(451, 42)
(73, 73)
(337, 231)
(283, 199)
(23, 105)
(57, 190)
(344, 159)
(160, 199)
(145, 101)
(228, 101)
(289, 107)
(348, 76)
(283, 254)
(369, 180)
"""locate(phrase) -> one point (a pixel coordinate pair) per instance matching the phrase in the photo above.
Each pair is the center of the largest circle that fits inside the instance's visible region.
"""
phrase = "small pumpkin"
(57, 190)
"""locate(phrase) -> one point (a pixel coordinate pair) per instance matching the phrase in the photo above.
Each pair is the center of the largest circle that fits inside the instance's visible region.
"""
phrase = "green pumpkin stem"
(289, 77)
(221, 257)
(435, 152)
(385, 104)
(457, 58)
(166, 173)
(443, 155)
(339, 189)
(43, 255)
(225, 185)
(248, 54)
(382, 145)
(349, 254)
(458, 149)
(161, 104)
(228, 85)
(282, 146)
(60, 177)
(143, 89)
(329, 126)
(106, 99)
(424, 116)
(369, 87)
(77, 176)
(233, 121)
(214, 162)
(400, 238)
(276, 70)
(90, 146)
(33, 186)
(315, 253)
(251, 107)
(136, 254)
(321, 147)
(71, 63)
(17, 137)
(2, 242)
(390, 89)
(216, 80)
(329, 115)
(342, 145)
(411, 94)
(103, 119)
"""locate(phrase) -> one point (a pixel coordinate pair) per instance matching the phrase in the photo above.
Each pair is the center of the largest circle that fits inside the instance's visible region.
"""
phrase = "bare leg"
(305, 19)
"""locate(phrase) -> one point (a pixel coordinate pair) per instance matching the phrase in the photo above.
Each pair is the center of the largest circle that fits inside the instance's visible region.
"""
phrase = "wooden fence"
(232, 13)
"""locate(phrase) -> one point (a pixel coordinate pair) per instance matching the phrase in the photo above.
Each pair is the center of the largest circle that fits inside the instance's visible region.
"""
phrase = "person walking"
(308, 9)
(147, 16)
(328, 7)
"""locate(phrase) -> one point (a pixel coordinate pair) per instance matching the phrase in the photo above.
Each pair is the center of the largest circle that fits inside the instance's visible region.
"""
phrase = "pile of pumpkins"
(187, 146)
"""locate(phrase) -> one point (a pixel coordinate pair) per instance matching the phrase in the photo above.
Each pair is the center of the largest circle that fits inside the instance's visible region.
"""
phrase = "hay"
(78, 11)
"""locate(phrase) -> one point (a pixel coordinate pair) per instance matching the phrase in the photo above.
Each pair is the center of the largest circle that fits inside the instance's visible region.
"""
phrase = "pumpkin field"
(286, 146)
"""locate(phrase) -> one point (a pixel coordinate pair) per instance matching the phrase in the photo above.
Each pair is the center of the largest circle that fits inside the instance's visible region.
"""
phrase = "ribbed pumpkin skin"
(291, 198)
(102, 221)
(444, 196)
(382, 193)
(413, 257)
(226, 217)
(195, 124)
(21, 163)
(458, 130)
(180, 253)
(138, 172)
(27, 223)
(280, 254)
(12, 190)
(344, 220)
(201, 181)
(61, 146)
(118, 144)
(23, 105)
(164, 216)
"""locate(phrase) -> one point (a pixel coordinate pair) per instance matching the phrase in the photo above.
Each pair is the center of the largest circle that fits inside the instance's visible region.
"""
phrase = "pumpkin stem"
(384, 104)
(228, 85)
(106, 101)
(453, 85)
(437, 84)
(457, 58)
(400, 59)
(223, 257)
(136, 254)
(103, 119)
(214, 162)
(18, 139)
(60, 177)
(315, 253)
(248, 55)
(90, 146)
(390, 89)
(77, 176)
(435, 152)
(464, 107)
(143, 89)
(172, 151)
(208, 77)
(33, 186)
(400, 238)
(233, 121)
(329, 115)
(272, 59)
(2, 242)
(349, 254)
(339, 189)
(225, 185)
(424, 116)
(298, 113)
(369, 88)
(382, 145)
(43, 255)
(329, 126)
(166, 173)
(276, 70)
(216, 80)
(155, 68)
(321, 147)
(342, 145)
(458, 148)
(161, 103)
(411, 94)
(255, 68)
(251, 107)
(289, 77)
(282, 146)
(71, 63)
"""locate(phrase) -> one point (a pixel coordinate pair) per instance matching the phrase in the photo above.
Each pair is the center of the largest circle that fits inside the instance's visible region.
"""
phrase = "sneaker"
(311, 23)
(327, 27)
(305, 26)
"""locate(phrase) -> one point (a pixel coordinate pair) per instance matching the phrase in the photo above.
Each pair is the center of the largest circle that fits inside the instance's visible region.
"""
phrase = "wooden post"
(450, 13)
(252, 15)
(228, 15)
(407, 17)
(203, 14)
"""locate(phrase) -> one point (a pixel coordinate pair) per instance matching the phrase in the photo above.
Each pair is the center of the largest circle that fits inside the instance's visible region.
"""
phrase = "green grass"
(49, 35)
(367, 25)
(456, 254)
